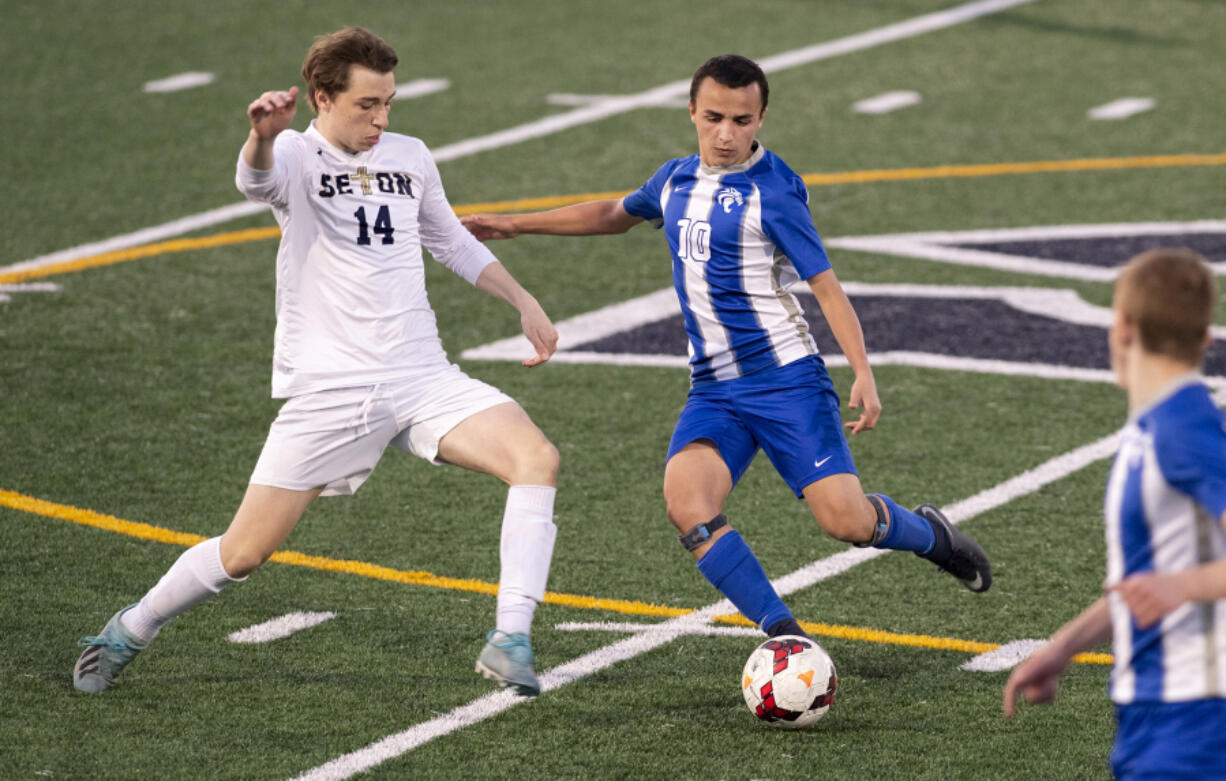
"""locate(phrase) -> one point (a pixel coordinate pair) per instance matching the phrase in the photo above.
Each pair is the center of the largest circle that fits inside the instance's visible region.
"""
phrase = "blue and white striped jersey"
(1164, 505)
(739, 236)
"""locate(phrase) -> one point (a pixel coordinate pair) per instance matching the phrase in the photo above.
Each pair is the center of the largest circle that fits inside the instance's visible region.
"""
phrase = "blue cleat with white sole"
(507, 659)
(105, 656)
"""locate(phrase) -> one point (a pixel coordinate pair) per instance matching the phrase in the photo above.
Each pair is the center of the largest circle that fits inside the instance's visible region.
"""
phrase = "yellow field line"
(553, 202)
(147, 531)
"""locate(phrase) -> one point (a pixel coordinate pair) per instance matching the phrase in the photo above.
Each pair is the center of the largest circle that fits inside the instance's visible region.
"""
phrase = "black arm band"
(702, 532)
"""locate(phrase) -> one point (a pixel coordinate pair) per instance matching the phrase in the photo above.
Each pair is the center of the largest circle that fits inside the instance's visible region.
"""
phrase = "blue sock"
(733, 569)
(907, 531)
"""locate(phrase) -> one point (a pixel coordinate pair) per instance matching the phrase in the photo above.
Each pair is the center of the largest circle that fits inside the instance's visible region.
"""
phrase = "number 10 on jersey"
(694, 240)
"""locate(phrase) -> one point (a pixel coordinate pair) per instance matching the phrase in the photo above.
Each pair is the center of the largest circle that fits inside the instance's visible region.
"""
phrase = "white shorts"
(334, 438)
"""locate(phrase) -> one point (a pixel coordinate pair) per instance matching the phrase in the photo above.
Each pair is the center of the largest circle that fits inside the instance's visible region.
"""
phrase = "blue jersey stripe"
(1135, 536)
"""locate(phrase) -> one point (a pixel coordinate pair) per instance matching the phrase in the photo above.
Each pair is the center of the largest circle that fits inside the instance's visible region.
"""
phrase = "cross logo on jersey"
(728, 197)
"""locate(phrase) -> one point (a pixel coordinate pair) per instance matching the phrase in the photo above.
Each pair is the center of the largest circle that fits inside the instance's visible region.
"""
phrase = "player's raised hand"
(864, 398)
(490, 226)
(1037, 678)
(540, 331)
(273, 112)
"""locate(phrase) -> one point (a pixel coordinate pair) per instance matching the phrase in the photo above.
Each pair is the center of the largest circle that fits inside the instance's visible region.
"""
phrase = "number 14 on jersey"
(383, 226)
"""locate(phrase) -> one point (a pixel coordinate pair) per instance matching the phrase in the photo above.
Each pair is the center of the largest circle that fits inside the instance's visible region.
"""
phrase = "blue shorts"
(791, 412)
(1171, 740)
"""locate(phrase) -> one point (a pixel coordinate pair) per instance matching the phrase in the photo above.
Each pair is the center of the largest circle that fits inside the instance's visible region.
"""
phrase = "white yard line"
(420, 88)
(886, 102)
(279, 628)
(1121, 109)
(559, 122)
(1004, 658)
(181, 81)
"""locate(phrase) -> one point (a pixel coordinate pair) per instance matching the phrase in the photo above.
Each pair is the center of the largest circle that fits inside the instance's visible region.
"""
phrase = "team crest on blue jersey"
(729, 197)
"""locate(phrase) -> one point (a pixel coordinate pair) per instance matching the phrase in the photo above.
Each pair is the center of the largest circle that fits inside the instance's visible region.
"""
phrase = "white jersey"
(351, 297)
(1164, 504)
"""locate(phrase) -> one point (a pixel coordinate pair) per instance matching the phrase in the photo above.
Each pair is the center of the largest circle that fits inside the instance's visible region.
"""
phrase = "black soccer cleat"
(956, 553)
(787, 626)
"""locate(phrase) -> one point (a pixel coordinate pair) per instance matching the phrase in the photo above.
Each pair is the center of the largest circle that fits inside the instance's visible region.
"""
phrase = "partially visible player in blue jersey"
(1165, 508)
(738, 225)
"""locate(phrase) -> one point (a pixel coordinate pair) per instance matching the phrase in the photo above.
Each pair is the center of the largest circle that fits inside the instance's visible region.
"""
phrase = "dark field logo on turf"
(1043, 324)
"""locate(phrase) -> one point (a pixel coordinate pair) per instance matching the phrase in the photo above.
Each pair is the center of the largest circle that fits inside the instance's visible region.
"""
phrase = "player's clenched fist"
(273, 112)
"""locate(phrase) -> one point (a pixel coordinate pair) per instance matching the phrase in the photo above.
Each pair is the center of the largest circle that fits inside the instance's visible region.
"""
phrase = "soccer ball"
(789, 682)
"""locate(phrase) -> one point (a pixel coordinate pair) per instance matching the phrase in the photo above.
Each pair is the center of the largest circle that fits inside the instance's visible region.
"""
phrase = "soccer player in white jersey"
(1165, 508)
(739, 229)
(358, 356)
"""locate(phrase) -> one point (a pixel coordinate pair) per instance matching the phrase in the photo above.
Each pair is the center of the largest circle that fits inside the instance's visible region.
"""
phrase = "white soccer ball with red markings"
(789, 682)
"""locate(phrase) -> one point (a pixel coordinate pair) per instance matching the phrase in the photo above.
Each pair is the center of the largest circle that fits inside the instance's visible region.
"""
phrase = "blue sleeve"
(788, 223)
(1192, 457)
(645, 201)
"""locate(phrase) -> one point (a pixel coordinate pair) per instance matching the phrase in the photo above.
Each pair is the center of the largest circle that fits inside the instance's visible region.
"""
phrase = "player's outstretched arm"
(269, 114)
(1038, 677)
(845, 326)
(498, 282)
(581, 219)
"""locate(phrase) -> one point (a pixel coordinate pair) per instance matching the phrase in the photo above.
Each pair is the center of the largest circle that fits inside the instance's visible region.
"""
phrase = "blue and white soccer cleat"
(508, 660)
(956, 553)
(105, 656)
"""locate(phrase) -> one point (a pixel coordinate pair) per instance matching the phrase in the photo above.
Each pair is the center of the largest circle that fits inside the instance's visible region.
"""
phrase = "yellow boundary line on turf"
(553, 202)
(145, 531)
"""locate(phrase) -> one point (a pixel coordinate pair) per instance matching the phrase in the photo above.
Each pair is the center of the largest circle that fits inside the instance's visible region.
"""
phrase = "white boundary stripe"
(1004, 658)
(631, 627)
(961, 256)
(554, 124)
(575, 99)
(143, 236)
(934, 246)
(278, 628)
(180, 82)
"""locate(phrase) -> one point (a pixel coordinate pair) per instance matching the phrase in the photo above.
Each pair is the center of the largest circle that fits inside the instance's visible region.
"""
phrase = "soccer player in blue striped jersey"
(740, 232)
(1165, 508)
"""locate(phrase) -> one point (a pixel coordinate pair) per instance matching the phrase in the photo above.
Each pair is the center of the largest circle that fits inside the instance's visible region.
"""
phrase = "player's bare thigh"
(696, 483)
(840, 507)
(504, 442)
(262, 523)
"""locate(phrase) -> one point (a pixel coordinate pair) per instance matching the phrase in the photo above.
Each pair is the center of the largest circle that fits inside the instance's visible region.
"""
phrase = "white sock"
(197, 575)
(528, 533)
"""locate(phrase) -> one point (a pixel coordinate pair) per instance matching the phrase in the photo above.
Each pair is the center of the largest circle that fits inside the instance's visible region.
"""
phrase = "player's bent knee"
(242, 560)
(536, 464)
(845, 521)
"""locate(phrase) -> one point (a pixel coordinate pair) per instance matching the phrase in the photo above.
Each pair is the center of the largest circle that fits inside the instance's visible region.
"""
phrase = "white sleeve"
(442, 233)
(271, 186)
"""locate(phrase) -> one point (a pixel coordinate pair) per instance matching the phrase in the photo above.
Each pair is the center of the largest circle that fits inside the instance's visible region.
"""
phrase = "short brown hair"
(326, 66)
(731, 70)
(1169, 295)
